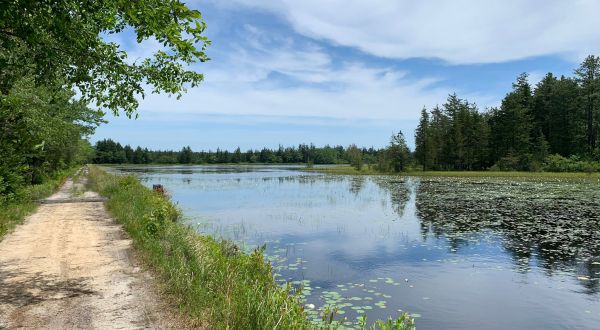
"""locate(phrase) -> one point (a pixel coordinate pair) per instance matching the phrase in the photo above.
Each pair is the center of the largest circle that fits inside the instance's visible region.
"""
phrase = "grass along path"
(212, 282)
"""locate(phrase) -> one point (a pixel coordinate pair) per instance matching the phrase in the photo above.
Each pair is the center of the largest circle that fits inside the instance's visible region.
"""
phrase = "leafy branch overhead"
(64, 40)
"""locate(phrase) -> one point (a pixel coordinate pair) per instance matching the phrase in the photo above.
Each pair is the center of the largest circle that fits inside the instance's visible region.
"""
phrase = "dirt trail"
(69, 266)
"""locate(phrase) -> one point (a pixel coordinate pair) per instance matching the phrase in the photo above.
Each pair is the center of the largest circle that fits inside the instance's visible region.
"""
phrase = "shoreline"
(349, 170)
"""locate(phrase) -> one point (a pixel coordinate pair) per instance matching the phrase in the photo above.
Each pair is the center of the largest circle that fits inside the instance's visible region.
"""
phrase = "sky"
(337, 72)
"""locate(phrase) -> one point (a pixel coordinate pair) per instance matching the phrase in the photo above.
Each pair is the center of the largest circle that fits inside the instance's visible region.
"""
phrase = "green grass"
(14, 212)
(211, 281)
(215, 284)
(348, 170)
(343, 169)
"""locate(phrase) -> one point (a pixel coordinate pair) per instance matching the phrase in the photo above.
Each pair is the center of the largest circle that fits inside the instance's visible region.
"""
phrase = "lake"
(456, 253)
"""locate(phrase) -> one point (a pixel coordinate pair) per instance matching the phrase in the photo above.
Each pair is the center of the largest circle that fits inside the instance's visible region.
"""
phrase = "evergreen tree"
(511, 125)
(185, 155)
(423, 142)
(588, 77)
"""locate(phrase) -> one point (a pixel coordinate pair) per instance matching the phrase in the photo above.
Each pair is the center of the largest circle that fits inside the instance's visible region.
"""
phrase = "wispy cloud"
(457, 31)
(267, 74)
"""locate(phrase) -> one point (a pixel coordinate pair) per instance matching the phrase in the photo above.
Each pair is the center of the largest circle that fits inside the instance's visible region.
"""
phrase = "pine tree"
(588, 77)
(423, 145)
(512, 124)
(185, 155)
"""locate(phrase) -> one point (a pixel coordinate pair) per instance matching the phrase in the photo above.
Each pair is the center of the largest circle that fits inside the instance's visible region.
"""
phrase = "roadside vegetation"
(213, 282)
(55, 63)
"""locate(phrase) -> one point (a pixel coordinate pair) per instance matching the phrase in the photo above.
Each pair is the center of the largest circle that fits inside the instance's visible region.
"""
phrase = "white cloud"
(374, 98)
(457, 31)
(311, 85)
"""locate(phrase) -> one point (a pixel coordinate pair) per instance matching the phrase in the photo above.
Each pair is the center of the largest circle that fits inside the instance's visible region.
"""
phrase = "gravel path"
(70, 266)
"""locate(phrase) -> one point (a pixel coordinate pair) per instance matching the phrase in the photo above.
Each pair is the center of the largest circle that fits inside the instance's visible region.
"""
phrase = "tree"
(355, 157)
(185, 156)
(540, 147)
(40, 132)
(128, 154)
(588, 78)
(511, 125)
(423, 142)
(558, 114)
(237, 156)
(64, 41)
(399, 153)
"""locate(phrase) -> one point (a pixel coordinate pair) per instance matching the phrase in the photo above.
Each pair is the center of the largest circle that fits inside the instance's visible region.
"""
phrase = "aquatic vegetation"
(554, 221)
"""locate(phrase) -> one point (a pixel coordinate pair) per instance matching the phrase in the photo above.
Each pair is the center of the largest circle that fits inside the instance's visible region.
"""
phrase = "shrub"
(558, 163)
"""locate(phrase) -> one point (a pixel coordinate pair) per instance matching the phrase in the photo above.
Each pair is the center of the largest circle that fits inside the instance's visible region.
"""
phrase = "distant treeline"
(553, 126)
(394, 158)
(111, 152)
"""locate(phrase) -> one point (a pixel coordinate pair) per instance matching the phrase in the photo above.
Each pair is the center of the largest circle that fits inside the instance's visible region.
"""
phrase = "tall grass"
(212, 281)
(13, 210)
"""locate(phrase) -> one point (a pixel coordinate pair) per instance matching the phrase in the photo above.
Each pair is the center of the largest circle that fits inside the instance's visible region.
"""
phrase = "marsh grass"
(14, 211)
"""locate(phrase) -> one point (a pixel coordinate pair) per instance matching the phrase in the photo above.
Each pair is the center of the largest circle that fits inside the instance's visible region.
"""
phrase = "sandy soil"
(70, 266)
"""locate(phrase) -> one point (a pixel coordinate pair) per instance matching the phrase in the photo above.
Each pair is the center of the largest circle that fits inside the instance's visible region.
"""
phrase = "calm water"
(468, 253)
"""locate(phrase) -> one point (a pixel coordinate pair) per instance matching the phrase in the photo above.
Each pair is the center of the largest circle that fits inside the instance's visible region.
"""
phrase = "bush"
(558, 163)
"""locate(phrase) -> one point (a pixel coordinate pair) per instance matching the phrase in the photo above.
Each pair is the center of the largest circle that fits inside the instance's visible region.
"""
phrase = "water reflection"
(460, 253)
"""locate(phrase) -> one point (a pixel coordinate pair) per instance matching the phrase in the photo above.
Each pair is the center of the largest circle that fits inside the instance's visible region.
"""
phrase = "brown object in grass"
(159, 189)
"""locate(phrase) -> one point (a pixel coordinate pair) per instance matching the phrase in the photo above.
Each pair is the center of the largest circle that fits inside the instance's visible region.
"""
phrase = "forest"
(395, 158)
(554, 126)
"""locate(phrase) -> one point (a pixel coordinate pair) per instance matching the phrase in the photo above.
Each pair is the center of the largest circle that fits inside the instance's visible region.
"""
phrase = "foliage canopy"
(66, 40)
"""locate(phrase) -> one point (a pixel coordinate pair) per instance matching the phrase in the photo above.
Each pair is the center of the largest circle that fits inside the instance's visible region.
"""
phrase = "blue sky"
(341, 72)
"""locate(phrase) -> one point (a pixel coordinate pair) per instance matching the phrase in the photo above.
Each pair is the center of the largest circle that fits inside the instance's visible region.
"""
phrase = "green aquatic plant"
(402, 322)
